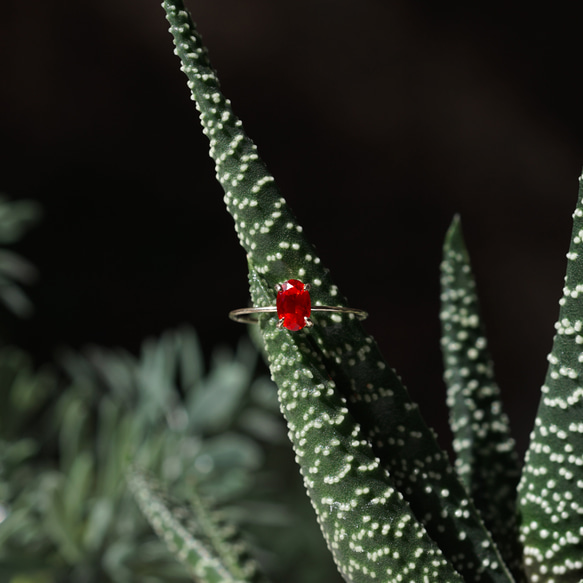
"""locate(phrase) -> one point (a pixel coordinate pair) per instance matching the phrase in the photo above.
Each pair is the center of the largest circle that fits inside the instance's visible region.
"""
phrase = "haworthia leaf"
(551, 487)
(213, 552)
(487, 461)
(380, 411)
(369, 527)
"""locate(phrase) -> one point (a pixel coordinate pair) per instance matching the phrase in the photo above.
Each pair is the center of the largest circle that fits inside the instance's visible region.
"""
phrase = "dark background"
(379, 120)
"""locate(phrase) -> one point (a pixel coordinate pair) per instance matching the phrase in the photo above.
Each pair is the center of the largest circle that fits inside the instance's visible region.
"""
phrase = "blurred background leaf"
(16, 218)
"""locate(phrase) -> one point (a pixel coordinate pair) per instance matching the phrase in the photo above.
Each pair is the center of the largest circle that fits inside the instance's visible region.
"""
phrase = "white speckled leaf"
(212, 551)
(381, 421)
(487, 461)
(370, 529)
(551, 487)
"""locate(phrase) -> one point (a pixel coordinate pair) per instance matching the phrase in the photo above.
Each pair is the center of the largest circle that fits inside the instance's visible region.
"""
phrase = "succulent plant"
(152, 469)
(390, 505)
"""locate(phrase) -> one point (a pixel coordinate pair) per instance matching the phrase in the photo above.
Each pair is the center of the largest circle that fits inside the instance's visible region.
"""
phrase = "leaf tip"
(454, 237)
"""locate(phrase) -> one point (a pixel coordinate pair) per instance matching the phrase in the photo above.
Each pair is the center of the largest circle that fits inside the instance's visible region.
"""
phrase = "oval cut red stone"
(293, 304)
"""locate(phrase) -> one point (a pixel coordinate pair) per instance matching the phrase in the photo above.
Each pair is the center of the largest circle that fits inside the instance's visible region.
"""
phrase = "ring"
(293, 307)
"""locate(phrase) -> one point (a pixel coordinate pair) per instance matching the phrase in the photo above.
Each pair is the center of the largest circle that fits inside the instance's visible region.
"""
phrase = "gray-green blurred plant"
(66, 449)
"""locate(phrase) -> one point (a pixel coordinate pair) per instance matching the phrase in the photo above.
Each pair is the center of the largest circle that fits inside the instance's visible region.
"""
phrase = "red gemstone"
(293, 304)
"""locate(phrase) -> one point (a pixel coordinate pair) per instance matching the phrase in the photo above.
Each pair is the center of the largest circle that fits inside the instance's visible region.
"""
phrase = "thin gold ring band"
(249, 315)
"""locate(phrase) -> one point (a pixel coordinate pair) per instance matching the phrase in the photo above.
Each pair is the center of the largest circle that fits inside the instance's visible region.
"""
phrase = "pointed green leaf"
(370, 529)
(551, 487)
(16, 218)
(487, 461)
(334, 371)
(60, 528)
(190, 358)
(213, 405)
(212, 551)
(78, 487)
(24, 395)
(100, 516)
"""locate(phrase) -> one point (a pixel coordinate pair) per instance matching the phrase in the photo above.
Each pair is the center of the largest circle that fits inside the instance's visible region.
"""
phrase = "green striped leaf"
(551, 487)
(487, 461)
(333, 376)
(212, 550)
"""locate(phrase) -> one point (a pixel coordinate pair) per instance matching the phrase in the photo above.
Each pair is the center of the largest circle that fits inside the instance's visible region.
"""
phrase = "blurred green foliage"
(67, 441)
(16, 218)
(69, 506)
